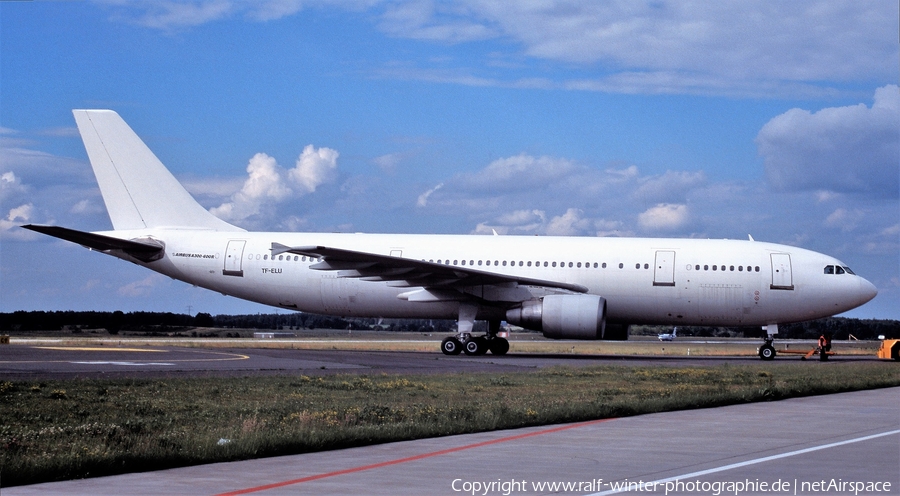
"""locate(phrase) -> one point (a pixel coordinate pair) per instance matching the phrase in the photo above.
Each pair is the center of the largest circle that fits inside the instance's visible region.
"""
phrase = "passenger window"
(740, 268)
(646, 266)
(731, 268)
(714, 267)
(604, 265)
(696, 267)
(621, 265)
(570, 264)
(829, 269)
(637, 266)
(706, 267)
(554, 264)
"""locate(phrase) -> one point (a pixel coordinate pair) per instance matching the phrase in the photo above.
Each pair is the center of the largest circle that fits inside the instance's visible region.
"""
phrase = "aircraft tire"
(499, 346)
(451, 346)
(475, 346)
(767, 352)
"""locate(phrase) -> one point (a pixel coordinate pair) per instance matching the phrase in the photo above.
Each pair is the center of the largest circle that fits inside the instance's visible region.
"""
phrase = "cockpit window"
(838, 269)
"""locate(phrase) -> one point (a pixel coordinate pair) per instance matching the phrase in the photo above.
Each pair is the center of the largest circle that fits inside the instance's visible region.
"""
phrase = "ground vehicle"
(890, 349)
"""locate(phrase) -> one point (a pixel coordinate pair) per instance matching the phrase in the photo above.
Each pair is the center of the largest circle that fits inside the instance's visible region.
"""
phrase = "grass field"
(55, 430)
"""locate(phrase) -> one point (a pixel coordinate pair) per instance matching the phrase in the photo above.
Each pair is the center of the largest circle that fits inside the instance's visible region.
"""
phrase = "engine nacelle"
(562, 316)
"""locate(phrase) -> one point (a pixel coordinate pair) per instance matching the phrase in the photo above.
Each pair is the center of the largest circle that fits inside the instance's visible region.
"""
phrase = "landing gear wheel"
(499, 346)
(767, 352)
(451, 346)
(475, 346)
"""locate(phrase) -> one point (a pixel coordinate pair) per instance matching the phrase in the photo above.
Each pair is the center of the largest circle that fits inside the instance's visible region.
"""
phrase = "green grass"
(55, 430)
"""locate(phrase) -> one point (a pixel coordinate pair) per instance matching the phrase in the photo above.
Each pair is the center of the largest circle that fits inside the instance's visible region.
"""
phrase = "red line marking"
(398, 461)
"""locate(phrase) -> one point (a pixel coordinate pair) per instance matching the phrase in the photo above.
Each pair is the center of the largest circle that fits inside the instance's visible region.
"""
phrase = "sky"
(776, 119)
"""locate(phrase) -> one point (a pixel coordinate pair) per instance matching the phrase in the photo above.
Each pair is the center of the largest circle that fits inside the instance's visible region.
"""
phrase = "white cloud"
(9, 226)
(268, 184)
(671, 186)
(844, 219)
(314, 167)
(167, 14)
(10, 185)
(264, 184)
(665, 46)
(518, 172)
(570, 223)
(141, 288)
(423, 198)
(839, 149)
(664, 217)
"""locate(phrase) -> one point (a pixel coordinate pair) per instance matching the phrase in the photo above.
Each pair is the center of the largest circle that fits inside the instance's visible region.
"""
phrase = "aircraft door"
(664, 270)
(781, 271)
(234, 258)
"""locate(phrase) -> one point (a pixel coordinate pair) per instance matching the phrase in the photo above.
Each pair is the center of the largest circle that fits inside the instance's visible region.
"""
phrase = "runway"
(46, 360)
(837, 444)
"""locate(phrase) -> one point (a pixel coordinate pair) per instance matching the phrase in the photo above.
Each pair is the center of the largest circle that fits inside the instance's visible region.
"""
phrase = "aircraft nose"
(867, 290)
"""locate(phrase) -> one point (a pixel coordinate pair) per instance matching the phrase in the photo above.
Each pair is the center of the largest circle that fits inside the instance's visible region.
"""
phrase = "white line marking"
(751, 462)
(141, 364)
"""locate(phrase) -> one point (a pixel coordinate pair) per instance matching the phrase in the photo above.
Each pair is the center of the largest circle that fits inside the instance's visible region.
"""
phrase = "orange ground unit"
(890, 349)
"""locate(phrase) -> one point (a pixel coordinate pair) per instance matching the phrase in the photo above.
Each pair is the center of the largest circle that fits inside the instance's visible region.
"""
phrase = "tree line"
(114, 322)
(117, 321)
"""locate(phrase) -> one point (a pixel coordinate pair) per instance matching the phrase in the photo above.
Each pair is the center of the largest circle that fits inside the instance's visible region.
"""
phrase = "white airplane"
(668, 336)
(566, 287)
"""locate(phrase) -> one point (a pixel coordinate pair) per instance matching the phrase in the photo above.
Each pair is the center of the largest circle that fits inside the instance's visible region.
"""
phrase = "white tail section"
(138, 190)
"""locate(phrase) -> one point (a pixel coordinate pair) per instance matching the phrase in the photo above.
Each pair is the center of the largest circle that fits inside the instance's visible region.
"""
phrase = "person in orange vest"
(824, 345)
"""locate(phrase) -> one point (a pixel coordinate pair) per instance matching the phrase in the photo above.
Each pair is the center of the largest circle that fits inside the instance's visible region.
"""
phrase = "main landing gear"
(476, 345)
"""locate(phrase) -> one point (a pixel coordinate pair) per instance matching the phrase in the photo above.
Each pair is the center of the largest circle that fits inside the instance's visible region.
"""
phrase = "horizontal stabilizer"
(142, 250)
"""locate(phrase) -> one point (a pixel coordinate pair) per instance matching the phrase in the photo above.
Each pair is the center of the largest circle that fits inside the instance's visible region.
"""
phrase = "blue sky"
(686, 119)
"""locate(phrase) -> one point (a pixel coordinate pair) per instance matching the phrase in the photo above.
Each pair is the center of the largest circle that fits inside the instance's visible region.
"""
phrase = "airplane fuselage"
(644, 280)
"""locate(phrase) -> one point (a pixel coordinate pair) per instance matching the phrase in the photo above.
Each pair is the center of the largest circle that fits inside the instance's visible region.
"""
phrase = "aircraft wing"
(141, 250)
(439, 281)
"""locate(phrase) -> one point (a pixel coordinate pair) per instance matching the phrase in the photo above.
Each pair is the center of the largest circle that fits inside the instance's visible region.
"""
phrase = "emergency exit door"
(234, 258)
(781, 271)
(664, 269)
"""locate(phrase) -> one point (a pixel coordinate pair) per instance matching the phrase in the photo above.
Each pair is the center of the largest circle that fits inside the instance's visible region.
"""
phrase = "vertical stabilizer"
(138, 190)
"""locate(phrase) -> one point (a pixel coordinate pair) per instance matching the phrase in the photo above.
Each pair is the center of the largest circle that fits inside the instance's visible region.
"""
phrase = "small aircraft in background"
(669, 337)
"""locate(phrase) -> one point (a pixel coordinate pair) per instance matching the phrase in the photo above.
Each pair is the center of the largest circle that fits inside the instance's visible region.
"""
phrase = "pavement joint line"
(751, 462)
(362, 468)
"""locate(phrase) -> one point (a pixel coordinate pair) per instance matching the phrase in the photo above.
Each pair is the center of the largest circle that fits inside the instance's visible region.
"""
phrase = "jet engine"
(580, 316)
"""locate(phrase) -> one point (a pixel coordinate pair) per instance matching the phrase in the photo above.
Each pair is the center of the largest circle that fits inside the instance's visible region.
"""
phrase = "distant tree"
(115, 322)
(204, 320)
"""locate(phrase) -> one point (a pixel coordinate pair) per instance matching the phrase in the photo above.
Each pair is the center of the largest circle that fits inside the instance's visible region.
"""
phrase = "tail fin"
(138, 190)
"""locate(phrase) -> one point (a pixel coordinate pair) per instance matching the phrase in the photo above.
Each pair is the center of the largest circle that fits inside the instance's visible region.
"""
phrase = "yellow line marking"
(225, 356)
(74, 348)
